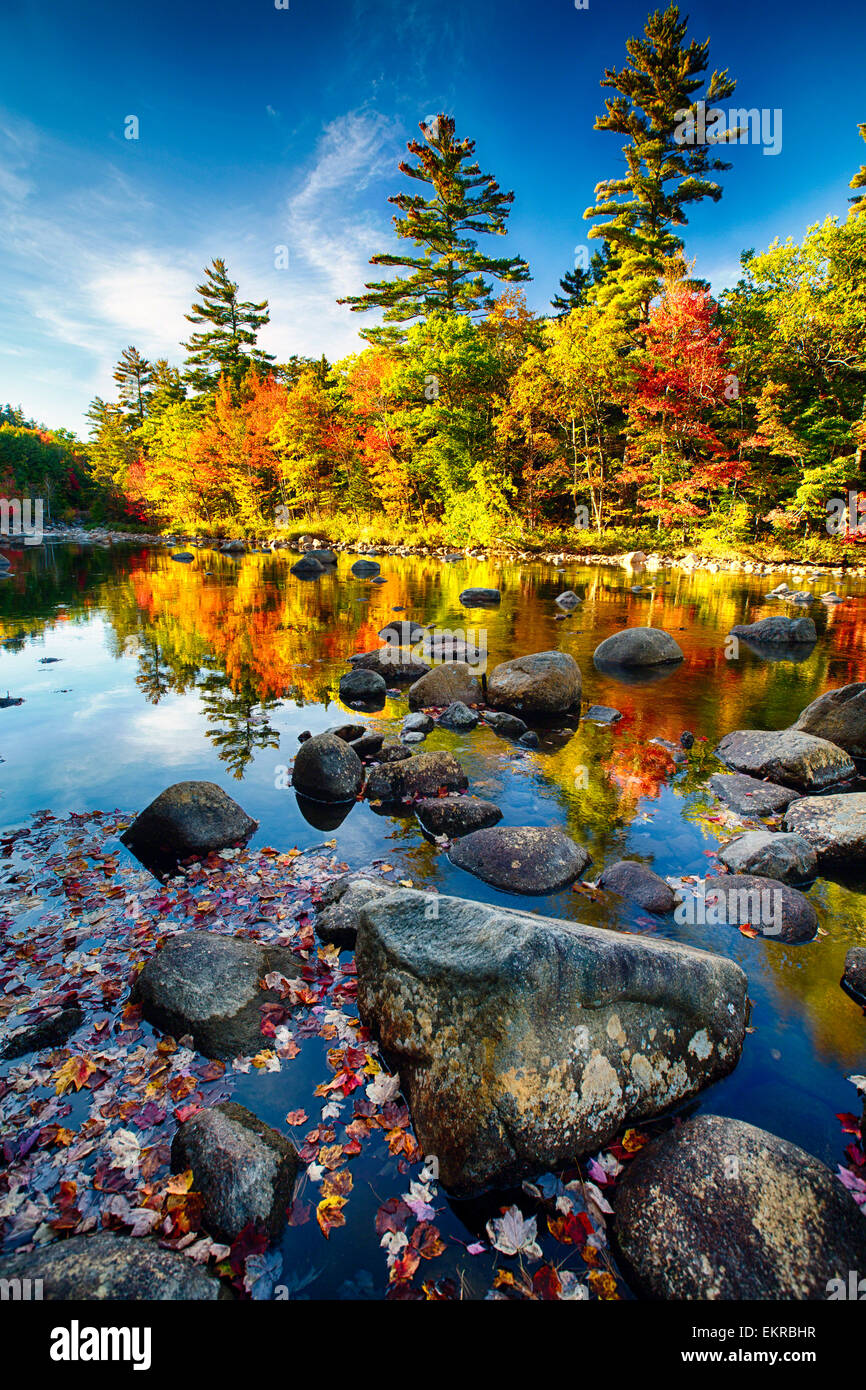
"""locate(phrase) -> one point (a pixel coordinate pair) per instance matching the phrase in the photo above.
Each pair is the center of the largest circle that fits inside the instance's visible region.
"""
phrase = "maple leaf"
(75, 1072)
(514, 1234)
(329, 1214)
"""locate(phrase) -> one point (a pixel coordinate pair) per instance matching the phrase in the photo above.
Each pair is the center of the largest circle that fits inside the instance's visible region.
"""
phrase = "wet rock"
(368, 686)
(402, 634)
(794, 759)
(349, 733)
(307, 567)
(854, 978)
(419, 775)
(327, 769)
(835, 827)
(676, 752)
(419, 723)
(50, 1032)
(368, 745)
(451, 681)
(396, 665)
(365, 569)
(634, 560)
(337, 919)
(111, 1267)
(541, 684)
(480, 598)
(687, 740)
(568, 600)
(840, 717)
(412, 737)
(456, 815)
(183, 557)
(458, 717)
(773, 909)
(188, 818)
(521, 858)
(640, 885)
(778, 628)
(788, 858)
(208, 986)
(393, 753)
(637, 646)
(530, 739)
(524, 1041)
(749, 796)
(244, 1169)
(506, 725)
(718, 1209)
(325, 557)
(603, 714)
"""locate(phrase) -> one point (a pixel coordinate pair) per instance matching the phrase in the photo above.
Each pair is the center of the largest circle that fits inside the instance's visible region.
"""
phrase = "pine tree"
(667, 156)
(228, 347)
(859, 180)
(449, 274)
(166, 387)
(575, 285)
(133, 374)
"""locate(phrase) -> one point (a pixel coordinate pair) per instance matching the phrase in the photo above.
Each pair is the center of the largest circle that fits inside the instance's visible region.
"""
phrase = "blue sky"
(261, 127)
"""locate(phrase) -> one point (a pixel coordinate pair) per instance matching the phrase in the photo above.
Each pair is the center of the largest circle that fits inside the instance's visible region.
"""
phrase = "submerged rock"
(521, 858)
(795, 759)
(327, 769)
(637, 646)
(835, 827)
(840, 717)
(854, 977)
(451, 681)
(524, 1041)
(568, 600)
(771, 908)
(110, 1267)
(456, 815)
(786, 857)
(540, 684)
(602, 714)
(365, 568)
(749, 796)
(480, 598)
(50, 1032)
(421, 774)
(208, 986)
(718, 1209)
(506, 725)
(244, 1169)
(638, 883)
(778, 628)
(188, 818)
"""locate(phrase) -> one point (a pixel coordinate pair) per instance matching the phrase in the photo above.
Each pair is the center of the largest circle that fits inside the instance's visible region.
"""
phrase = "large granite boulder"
(777, 630)
(209, 986)
(307, 567)
(524, 1041)
(456, 815)
(854, 977)
(770, 908)
(421, 774)
(521, 858)
(540, 684)
(835, 827)
(640, 885)
(340, 909)
(451, 681)
(718, 1209)
(840, 717)
(749, 796)
(244, 1169)
(365, 569)
(637, 646)
(188, 818)
(794, 759)
(788, 858)
(327, 769)
(113, 1268)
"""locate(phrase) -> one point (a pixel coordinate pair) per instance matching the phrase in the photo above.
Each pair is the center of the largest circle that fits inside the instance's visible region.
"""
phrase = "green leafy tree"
(228, 346)
(859, 179)
(458, 204)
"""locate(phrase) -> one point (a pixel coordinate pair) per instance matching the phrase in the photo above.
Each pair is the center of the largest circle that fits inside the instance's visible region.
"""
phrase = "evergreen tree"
(575, 285)
(449, 273)
(659, 108)
(133, 374)
(859, 180)
(229, 346)
(166, 388)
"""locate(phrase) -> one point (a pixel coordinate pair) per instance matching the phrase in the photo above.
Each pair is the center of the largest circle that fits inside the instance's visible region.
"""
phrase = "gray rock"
(568, 600)
(50, 1032)
(524, 1041)
(396, 665)
(543, 683)
(325, 557)
(393, 753)
(337, 919)
(368, 745)
(307, 567)
(208, 986)
(480, 598)
(112, 1268)
(418, 724)
(603, 714)
(189, 818)
(456, 815)
(637, 646)
(530, 739)
(840, 717)
(637, 882)
(402, 634)
(506, 725)
(183, 557)
(773, 909)
(788, 858)
(749, 796)
(363, 685)
(718, 1209)
(835, 827)
(327, 769)
(777, 628)
(412, 737)
(794, 759)
(349, 733)
(458, 717)
(854, 978)
(366, 568)
(421, 774)
(244, 1169)
(453, 680)
(521, 858)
